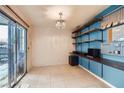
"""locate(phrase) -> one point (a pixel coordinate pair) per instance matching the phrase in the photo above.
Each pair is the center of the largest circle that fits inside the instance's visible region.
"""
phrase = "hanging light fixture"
(60, 23)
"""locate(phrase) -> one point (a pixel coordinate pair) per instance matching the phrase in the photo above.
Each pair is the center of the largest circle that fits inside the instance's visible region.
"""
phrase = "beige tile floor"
(60, 76)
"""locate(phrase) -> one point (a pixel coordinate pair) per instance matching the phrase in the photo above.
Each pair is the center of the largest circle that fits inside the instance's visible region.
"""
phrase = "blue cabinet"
(95, 44)
(96, 35)
(113, 76)
(85, 47)
(78, 47)
(85, 63)
(96, 68)
(80, 61)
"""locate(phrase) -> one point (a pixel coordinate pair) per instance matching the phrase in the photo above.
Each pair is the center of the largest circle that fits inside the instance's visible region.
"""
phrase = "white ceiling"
(46, 15)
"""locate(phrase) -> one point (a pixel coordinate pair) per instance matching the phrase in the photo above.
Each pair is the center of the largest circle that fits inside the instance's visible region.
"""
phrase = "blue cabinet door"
(85, 63)
(96, 68)
(80, 60)
(113, 76)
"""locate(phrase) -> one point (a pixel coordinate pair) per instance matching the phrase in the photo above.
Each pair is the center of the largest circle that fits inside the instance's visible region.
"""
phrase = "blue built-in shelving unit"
(92, 36)
(89, 37)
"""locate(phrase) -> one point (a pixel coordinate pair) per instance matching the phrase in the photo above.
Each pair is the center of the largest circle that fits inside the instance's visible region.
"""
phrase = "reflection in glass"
(3, 51)
(21, 57)
(12, 53)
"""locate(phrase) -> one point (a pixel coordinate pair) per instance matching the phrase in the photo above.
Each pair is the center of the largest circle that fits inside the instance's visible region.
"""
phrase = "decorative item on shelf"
(102, 27)
(60, 23)
(109, 23)
(115, 23)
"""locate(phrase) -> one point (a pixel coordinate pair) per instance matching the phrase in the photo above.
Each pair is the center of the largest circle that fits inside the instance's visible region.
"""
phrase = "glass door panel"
(12, 53)
(21, 51)
(4, 67)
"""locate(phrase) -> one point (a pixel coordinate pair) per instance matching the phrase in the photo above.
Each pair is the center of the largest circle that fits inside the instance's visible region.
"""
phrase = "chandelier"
(60, 23)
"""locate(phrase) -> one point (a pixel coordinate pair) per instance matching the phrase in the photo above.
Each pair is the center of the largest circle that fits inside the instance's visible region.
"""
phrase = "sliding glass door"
(12, 51)
(4, 67)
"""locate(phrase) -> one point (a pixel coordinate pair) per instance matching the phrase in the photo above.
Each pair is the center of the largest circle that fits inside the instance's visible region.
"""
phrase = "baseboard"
(111, 86)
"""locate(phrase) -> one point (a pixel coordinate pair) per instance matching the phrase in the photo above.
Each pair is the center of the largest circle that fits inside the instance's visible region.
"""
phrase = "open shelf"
(87, 24)
(88, 41)
(113, 26)
(96, 40)
(77, 43)
(87, 32)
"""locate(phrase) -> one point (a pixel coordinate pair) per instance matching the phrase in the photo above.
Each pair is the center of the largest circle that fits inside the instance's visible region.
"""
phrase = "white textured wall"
(50, 46)
(29, 49)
